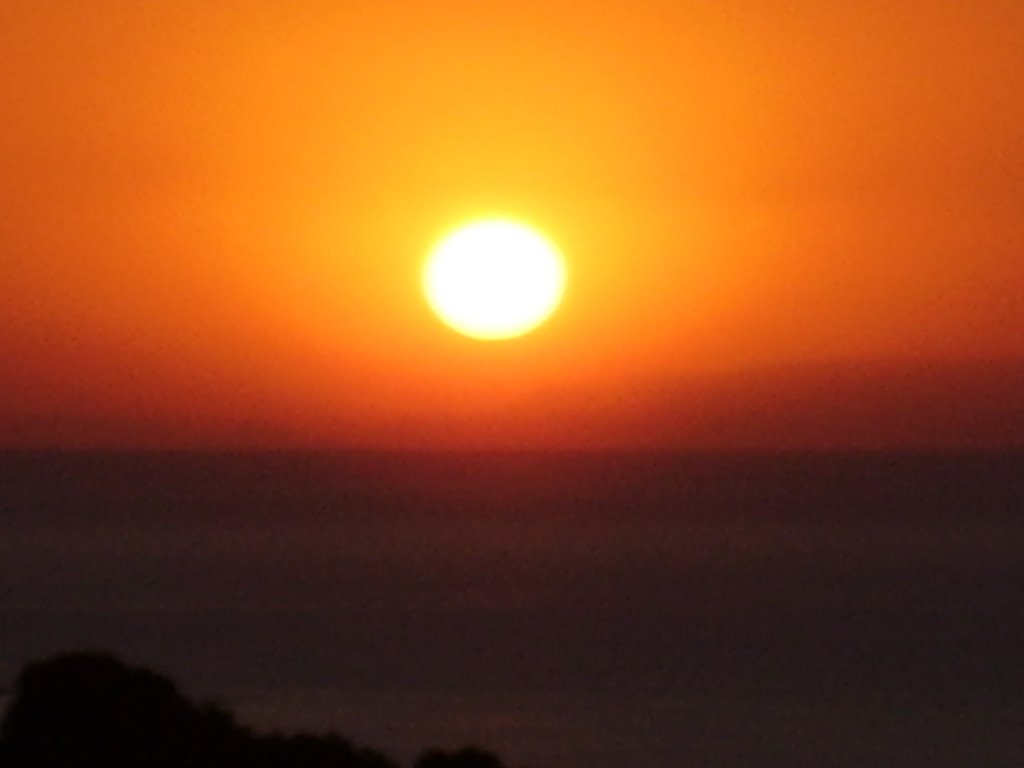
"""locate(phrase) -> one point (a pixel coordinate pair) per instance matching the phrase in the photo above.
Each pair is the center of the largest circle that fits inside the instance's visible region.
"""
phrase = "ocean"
(564, 610)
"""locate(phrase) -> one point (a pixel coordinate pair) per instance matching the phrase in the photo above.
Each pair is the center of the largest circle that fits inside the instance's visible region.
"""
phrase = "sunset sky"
(793, 223)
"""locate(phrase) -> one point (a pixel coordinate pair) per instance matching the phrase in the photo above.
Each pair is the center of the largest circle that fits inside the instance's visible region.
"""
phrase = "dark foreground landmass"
(86, 710)
(565, 610)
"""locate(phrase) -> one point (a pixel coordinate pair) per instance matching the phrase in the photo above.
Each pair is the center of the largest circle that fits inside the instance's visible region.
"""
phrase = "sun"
(494, 279)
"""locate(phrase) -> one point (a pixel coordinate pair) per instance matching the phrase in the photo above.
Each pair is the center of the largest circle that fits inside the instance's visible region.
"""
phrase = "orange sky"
(213, 217)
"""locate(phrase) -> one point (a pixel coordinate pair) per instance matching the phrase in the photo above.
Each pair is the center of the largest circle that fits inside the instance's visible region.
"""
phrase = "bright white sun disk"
(494, 279)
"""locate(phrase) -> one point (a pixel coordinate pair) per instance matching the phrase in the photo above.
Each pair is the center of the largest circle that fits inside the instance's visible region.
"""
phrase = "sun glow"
(494, 279)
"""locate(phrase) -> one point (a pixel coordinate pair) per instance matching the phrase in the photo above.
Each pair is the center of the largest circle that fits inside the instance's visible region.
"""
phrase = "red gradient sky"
(775, 213)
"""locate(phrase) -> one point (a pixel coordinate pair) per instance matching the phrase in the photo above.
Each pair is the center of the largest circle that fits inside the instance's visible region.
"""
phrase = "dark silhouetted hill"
(89, 710)
(466, 758)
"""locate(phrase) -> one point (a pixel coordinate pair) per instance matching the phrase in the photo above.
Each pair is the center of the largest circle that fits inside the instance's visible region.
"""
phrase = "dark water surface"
(650, 610)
